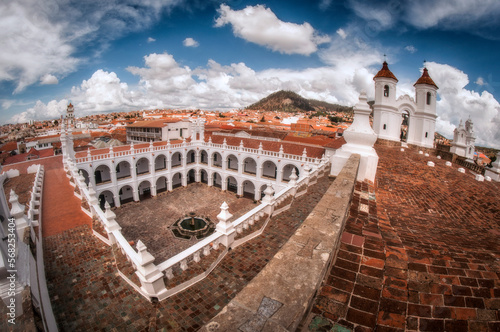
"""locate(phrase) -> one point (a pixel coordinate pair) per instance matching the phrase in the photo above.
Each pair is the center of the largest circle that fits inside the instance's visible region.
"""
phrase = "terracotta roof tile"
(425, 79)
(385, 72)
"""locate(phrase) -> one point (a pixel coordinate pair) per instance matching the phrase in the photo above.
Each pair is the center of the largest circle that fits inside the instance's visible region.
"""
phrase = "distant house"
(30, 155)
(158, 130)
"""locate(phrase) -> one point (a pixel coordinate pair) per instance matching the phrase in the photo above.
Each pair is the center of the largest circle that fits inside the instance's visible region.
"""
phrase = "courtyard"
(151, 220)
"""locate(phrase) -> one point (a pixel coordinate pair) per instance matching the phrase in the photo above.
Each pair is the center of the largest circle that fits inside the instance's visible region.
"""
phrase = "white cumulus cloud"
(151, 40)
(40, 38)
(473, 16)
(190, 42)
(410, 48)
(259, 25)
(458, 103)
(49, 79)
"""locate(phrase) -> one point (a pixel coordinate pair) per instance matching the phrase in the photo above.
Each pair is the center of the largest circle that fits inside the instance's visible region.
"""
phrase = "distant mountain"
(289, 101)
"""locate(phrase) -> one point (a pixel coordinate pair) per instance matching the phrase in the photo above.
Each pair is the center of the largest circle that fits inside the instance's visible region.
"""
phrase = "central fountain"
(191, 225)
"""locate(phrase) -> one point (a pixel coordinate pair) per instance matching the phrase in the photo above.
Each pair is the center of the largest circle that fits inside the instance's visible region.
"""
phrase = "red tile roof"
(385, 72)
(153, 123)
(425, 79)
(336, 144)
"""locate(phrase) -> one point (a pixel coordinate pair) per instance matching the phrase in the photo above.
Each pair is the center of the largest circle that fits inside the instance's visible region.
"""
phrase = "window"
(386, 91)
(429, 96)
(426, 134)
(385, 126)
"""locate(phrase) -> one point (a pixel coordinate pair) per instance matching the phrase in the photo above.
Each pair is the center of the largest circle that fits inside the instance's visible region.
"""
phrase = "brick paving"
(420, 251)
(159, 213)
(88, 295)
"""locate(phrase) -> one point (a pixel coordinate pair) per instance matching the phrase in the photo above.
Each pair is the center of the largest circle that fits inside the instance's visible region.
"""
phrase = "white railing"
(167, 147)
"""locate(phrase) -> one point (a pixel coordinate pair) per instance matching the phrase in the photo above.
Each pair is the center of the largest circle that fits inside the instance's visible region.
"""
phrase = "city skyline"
(183, 54)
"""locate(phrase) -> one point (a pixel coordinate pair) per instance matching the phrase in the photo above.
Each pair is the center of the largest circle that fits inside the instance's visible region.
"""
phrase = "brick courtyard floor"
(88, 295)
(420, 251)
(151, 219)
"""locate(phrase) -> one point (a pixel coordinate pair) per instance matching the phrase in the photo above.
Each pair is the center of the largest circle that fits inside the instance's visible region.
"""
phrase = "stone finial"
(210, 140)
(307, 169)
(281, 150)
(304, 153)
(241, 144)
(17, 211)
(88, 153)
(110, 215)
(144, 256)
(293, 177)
(17, 208)
(269, 194)
(224, 214)
(224, 142)
(225, 226)
(132, 146)
(260, 146)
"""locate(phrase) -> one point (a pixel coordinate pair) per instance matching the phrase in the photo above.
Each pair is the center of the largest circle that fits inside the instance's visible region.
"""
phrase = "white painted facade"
(120, 177)
(421, 111)
(464, 140)
(360, 138)
(158, 130)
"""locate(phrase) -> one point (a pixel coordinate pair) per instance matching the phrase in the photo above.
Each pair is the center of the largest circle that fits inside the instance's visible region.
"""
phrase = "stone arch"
(160, 162)
(248, 189)
(85, 175)
(144, 190)
(287, 171)
(262, 188)
(106, 196)
(122, 170)
(176, 160)
(176, 180)
(126, 194)
(102, 174)
(269, 169)
(405, 124)
(216, 159)
(250, 166)
(232, 162)
(386, 90)
(232, 184)
(203, 157)
(142, 166)
(216, 180)
(191, 157)
(161, 184)
(191, 176)
(203, 176)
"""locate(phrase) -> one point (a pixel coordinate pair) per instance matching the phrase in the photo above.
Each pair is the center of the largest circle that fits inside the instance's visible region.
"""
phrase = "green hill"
(289, 101)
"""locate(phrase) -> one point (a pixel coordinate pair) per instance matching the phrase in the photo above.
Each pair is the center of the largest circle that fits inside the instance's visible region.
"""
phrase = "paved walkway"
(88, 295)
(420, 251)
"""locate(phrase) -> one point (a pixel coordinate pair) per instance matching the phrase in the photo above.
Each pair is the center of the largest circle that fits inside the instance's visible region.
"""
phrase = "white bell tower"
(386, 116)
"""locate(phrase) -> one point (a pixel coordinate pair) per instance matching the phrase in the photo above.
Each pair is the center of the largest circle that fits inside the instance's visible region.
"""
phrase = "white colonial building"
(244, 165)
(407, 119)
(464, 140)
(158, 130)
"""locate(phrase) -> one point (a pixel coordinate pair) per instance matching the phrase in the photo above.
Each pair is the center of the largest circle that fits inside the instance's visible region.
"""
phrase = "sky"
(108, 56)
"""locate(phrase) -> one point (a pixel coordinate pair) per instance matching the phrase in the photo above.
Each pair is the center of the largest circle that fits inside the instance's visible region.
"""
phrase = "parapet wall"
(280, 295)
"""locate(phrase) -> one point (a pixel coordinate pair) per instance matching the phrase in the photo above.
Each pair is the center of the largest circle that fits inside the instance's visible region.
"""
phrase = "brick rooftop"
(420, 251)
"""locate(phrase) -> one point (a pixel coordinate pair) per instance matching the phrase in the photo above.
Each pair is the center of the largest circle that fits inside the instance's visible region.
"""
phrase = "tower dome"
(385, 72)
(425, 79)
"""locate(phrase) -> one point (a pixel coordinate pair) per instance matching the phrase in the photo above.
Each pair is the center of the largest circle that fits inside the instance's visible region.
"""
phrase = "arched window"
(429, 96)
(386, 91)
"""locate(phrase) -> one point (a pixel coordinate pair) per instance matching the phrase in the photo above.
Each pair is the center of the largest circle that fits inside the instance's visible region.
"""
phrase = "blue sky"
(133, 55)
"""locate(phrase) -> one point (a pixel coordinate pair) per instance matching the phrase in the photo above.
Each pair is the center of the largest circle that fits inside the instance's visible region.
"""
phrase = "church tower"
(425, 115)
(386, 116)
(70, 116)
